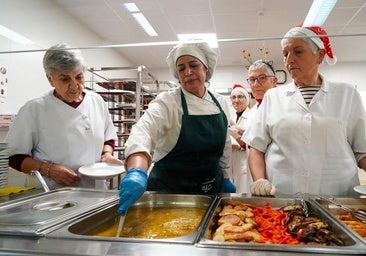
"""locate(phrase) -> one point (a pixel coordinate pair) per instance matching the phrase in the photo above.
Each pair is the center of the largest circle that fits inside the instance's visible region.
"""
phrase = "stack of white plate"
(4, 165)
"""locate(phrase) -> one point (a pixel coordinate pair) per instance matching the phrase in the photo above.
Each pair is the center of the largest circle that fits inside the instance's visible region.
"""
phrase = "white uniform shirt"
(157, 131)
(239, 167)
(310, 149)
(50, 130)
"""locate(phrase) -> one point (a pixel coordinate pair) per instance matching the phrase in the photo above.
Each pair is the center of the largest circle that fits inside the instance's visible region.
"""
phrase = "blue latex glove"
(229, 187)
(132, 186)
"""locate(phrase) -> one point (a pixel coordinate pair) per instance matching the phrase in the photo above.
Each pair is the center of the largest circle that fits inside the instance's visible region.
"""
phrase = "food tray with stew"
(165, 218)
(276, 224)
(357, 226)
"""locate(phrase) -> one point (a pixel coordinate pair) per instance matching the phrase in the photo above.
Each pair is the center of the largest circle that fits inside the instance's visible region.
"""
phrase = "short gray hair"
(59, 57)
(263, 64)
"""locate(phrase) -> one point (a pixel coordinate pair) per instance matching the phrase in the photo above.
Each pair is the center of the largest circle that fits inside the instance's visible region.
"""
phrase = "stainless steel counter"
(43, 245)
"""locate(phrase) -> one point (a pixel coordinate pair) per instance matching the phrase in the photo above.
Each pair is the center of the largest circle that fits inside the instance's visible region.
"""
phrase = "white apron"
(239, 158)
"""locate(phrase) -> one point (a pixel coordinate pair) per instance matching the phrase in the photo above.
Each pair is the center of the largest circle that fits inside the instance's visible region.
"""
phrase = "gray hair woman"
(64, 129)
(61, 57)
(303, 135)
(261, 78)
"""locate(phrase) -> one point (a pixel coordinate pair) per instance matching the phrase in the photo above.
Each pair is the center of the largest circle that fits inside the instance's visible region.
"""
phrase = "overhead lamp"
(140, 18)
(14, 36)
(210, 38)
(131, 7)
(319, 12)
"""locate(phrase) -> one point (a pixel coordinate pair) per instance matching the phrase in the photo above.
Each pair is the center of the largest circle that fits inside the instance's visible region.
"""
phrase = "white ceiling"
(239, 24)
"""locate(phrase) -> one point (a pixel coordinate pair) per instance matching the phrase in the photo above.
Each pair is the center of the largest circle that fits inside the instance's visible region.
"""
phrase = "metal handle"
(336, 203)
(120, 224)
(41, 180)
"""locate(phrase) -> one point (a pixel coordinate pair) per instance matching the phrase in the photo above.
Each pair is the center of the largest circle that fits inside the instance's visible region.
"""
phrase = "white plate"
(360, 189)
(101, 171)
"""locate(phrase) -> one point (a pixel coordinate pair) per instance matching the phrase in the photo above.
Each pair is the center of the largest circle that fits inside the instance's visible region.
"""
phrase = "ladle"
(120, 224)
(41, 180)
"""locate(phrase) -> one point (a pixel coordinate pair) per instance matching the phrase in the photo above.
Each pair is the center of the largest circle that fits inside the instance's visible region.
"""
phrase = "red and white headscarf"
(319, 36)
(242, 90)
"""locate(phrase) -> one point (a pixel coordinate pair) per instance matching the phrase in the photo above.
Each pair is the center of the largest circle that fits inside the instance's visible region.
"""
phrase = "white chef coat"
(239, 158)
(157, 131)
(310, 149)
(50, 130)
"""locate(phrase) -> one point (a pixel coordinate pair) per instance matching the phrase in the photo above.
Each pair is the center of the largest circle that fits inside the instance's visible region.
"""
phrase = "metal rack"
(127, 97)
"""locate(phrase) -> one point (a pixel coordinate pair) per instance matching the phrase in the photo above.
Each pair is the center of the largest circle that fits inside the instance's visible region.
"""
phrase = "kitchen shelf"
(127, 92)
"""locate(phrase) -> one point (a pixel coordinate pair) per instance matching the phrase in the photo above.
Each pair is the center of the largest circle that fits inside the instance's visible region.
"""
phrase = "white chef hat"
(319, 36)
(241, 89)
(200, 50)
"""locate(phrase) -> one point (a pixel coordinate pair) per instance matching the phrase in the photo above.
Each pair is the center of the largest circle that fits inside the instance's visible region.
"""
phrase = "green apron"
(192, 167)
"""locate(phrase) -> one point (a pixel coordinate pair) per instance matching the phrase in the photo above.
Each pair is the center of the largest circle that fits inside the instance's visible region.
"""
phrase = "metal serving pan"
(353, 203)
(105, 218)
(38, 214)
(352, 244)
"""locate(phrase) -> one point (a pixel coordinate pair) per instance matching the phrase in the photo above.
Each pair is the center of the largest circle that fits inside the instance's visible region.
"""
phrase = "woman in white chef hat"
(184, 132)
(307, 136)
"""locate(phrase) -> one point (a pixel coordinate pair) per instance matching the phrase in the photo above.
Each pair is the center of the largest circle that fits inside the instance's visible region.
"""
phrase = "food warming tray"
(38, 214)
(353, 203)
(107, 217)
(353, 245)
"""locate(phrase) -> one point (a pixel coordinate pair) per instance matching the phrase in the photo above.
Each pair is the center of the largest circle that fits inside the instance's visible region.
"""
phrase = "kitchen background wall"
(26, 79)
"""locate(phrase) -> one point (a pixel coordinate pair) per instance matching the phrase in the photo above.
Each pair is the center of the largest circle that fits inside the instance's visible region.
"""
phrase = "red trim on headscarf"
(320, 31)
(238, 86)
(323, 36)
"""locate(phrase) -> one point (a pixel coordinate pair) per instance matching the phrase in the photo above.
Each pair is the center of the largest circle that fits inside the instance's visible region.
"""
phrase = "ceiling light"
(140, 18)
(131, 7)
(14, 36)
(144, 23)
(210, 38)
(319, 12)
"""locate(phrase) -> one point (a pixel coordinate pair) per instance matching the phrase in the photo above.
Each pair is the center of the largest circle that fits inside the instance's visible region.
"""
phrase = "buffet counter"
(51, 223)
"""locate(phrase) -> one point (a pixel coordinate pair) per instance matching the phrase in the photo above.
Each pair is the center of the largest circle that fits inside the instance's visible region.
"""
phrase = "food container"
(39, 214)
(102, 224)
(352, 203)
(352, 244)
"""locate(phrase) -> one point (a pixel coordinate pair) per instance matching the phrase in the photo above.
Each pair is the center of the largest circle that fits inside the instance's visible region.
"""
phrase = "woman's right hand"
(262, 187)
(132, 186)
(62, 175)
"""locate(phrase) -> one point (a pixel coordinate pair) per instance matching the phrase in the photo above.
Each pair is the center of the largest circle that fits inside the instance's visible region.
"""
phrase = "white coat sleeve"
(23, 132)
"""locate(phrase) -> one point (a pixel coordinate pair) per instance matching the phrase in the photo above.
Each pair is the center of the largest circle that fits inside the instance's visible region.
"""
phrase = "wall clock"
(281, 76)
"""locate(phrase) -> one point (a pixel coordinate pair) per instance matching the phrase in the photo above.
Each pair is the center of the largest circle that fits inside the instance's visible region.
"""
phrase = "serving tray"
(106, 217)
(38, 214)
(353, 245)
(352, 203)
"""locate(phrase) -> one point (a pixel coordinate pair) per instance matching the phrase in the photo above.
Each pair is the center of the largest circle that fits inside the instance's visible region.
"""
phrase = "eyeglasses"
(239, 97)
(261, 79)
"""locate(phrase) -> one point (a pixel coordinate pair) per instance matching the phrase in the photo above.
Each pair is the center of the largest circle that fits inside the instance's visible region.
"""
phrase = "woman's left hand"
(109, 158)
(229, 187)
(63, 175)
